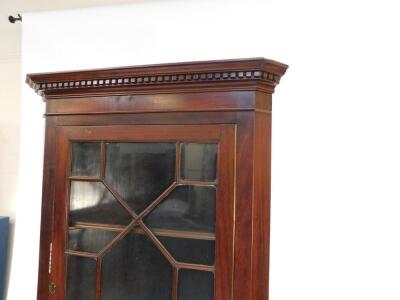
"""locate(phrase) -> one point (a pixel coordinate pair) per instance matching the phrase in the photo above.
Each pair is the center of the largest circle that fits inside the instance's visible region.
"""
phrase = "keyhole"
(52, 288)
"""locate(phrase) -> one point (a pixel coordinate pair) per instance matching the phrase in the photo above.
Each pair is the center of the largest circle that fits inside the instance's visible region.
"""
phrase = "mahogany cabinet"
(157, 181)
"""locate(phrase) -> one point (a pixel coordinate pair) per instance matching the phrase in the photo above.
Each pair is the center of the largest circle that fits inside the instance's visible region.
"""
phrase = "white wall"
(10, 87)
(336, 147)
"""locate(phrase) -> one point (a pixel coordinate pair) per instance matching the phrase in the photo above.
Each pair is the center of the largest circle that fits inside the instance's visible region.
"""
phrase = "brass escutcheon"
(52, 288)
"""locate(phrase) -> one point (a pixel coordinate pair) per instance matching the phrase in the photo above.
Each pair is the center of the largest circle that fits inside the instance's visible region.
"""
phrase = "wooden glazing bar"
(115, 240)
(98, 278)
(81, 253)
(158, 244)
(195, 267)
(175, 281)
(160, 198)
(197, 183)
(84, 178)
(196, 235)
(97, 226)
(180, 234)
(119, 199)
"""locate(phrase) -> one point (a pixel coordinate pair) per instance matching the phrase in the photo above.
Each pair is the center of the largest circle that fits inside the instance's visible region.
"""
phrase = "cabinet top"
(218, 75)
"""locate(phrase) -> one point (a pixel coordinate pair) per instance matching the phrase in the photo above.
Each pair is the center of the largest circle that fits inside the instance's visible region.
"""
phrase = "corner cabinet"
(157, 181)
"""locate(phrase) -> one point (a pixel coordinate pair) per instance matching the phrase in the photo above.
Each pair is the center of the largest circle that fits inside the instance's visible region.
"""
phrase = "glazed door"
(143, 213)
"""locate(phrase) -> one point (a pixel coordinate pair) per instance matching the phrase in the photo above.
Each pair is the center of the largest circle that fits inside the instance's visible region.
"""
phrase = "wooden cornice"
(243, 74)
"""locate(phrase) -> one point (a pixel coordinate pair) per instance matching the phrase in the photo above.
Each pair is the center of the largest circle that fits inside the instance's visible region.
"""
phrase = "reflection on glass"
(186, 208)
(196, 285)
(81, 279)
(136, 269)
(199, 161)
(89, 240)
(85, 159)
(140, 172)
(92, 202)
(190, 250)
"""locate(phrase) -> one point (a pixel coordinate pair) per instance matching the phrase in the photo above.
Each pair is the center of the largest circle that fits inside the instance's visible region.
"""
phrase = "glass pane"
(190, 250)
(186, 208)
(196, 285)
(81, 280)
(89, 240)
(199, 161)
(85, 159)
(140, 172)
(92, 202)
(136, 269)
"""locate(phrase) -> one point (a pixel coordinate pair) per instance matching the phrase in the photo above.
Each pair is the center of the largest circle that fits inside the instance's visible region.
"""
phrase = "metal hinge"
(50, 257)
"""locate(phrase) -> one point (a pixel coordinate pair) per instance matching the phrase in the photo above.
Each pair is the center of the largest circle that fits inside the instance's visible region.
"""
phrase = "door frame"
(223, 134)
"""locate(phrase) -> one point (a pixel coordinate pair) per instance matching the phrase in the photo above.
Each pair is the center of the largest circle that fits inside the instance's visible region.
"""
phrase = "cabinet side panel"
(263, 102)
(224, 265)
(47, 208)
(244, 211)
(261, 206)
